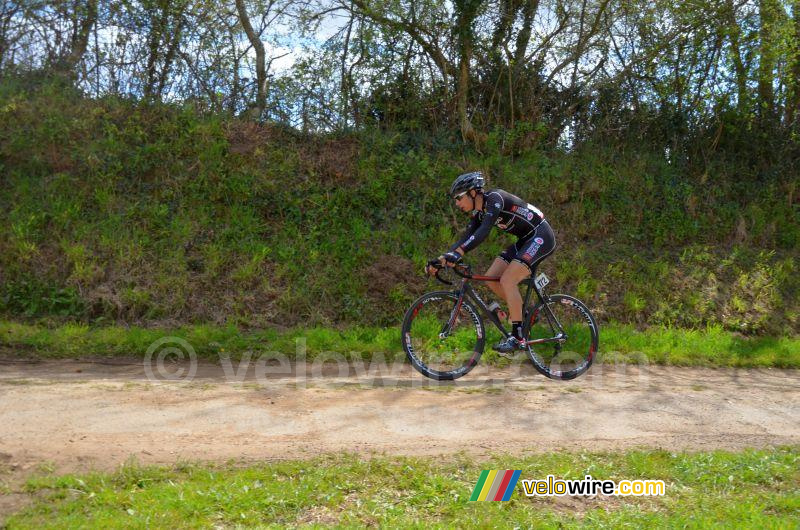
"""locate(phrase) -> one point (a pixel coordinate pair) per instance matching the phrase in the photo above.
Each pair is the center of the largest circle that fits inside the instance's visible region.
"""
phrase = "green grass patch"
(712, 346)
(753, 489)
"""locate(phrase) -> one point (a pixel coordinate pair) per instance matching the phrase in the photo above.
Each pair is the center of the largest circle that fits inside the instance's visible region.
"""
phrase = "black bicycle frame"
(467, 291)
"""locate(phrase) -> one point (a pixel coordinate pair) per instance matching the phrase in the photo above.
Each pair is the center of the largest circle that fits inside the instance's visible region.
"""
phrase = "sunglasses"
(458, 197)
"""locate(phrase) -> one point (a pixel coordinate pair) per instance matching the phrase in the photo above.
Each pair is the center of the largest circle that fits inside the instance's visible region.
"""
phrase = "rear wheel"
(443, 338)
(574, 353)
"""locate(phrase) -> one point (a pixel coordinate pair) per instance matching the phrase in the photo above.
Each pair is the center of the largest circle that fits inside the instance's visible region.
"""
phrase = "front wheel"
(442, 337)
(569, 319)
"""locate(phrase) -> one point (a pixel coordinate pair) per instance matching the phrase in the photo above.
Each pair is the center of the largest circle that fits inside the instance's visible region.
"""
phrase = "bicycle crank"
(512, 355)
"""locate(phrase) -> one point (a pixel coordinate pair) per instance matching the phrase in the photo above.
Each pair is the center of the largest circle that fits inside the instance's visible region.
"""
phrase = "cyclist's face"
(464, 202)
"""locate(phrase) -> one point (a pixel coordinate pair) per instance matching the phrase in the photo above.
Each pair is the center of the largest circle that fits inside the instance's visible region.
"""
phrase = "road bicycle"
(443, 332)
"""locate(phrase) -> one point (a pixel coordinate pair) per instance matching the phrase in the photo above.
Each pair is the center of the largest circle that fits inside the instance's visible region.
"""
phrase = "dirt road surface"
(76, 416)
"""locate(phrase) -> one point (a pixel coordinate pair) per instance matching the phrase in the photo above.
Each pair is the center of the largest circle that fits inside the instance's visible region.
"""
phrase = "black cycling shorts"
(533, 249)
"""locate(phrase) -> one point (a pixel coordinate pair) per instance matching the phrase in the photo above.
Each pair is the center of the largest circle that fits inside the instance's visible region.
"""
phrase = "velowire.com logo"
(495, 485)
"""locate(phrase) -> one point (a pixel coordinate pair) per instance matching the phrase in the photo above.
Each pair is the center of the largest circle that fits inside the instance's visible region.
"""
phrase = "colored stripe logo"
(495, 485)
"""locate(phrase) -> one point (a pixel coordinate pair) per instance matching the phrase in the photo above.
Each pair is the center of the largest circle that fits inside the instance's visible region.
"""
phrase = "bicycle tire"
(418, 358)
(583, 324)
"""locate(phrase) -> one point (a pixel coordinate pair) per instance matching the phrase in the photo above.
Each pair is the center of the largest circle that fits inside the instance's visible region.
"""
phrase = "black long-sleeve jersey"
(510, 213)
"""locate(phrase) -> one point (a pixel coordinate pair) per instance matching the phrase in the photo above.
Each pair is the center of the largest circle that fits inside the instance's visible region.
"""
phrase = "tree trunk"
(467, 131)
(466, 11)
(733, 32)
(793, 99)
(508, 12)
(169, 57)
(85, 19)
(524, 36)
(768, 13)
(158, 28)
(261, 70)
(236, 83)
(344, 87)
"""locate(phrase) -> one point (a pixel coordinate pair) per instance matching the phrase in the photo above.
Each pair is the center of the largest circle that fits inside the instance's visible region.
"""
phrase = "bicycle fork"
(453, 320)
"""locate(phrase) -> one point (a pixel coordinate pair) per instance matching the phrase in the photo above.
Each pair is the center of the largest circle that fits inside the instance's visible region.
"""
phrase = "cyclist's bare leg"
(497, 269)
(514, 273)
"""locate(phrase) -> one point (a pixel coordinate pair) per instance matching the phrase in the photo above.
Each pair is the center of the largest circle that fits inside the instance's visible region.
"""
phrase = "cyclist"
(535, 241)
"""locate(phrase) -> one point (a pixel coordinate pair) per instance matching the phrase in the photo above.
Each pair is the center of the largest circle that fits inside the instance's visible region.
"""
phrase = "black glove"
(452, 257)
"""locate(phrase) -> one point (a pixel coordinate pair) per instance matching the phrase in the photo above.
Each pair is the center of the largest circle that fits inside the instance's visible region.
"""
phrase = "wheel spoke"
(568, 319)
(442, 339)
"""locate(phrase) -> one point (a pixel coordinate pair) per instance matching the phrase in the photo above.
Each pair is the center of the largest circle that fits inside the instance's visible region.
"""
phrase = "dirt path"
(76, 416)
(83, 415)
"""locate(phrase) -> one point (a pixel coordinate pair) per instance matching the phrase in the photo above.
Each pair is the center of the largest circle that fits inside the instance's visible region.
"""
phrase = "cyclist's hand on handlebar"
(449, 259)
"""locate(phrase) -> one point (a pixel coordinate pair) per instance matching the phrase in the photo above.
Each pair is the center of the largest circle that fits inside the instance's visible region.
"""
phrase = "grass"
(752, 489)
(712, 347)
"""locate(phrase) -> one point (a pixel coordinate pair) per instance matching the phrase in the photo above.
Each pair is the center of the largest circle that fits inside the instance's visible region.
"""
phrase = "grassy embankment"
(751, 489)
(114, 211)
(117, 213)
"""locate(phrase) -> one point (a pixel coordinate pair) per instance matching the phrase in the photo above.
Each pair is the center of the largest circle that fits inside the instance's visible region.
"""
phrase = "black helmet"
(466, 182)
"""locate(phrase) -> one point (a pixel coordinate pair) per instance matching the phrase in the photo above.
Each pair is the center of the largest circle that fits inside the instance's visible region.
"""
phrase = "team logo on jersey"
(523, 212)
